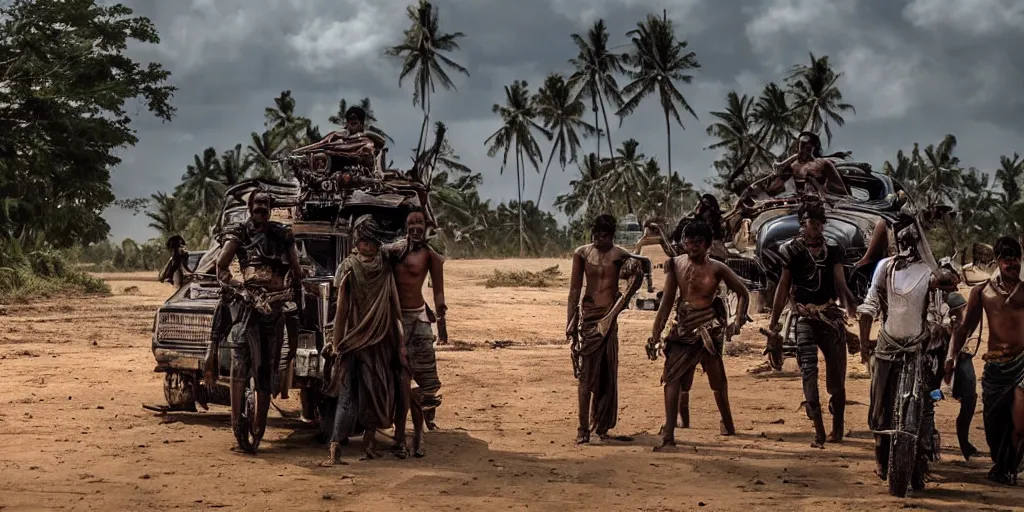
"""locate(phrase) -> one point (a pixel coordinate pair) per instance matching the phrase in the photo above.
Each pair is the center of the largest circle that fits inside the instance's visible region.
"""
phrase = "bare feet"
(417, 445)
(666, 445)
(582, 436)
(334, 457)
(726, 431)
(400, 450)
(370, 454)
(818, 443)
(835, 437)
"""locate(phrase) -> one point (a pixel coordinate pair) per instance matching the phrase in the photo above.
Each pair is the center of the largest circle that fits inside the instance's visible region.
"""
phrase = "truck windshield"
(321, 252)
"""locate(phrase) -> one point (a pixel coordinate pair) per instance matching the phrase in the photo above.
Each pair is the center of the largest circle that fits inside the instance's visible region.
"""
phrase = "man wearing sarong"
(698, 335)
(269, 263)
(813, 279)
(366, 353)
(412, 260)
(1002, 382)
(592, 326)
(901, 292)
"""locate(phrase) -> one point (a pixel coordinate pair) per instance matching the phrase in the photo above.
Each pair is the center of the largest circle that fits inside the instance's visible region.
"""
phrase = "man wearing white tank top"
(901, 292)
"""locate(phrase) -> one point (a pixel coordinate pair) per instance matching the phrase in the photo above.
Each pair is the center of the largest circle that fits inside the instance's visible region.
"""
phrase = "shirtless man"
(709, 211)
(808, 163)
(412, 260)
(592, 326)
(813, 278)
(698, 335)
(1002, 383)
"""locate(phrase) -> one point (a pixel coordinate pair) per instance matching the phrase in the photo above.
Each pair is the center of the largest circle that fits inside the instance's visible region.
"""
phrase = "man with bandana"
(366, 353)
(592, 326)
(813, 279)
(901, 292)
(1001, 299)
(269, 263)
(412, 260)
(811, 172)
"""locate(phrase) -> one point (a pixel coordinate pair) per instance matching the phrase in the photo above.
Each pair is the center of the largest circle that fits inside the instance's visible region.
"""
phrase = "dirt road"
(73, 435)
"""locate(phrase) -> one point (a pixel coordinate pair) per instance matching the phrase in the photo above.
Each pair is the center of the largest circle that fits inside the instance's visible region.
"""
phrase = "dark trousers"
(965, 389)
(811, 336)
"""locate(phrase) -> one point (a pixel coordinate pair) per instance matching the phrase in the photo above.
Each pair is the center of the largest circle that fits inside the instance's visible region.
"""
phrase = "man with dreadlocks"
(698, 335)
(811, 172)
(901, 292)
(1002, 383)
(367, 356)
(412, 260)
(592, 325)
(813, 279)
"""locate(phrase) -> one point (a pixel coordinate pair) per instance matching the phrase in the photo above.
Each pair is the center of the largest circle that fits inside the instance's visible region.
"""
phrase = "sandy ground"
(74, 374)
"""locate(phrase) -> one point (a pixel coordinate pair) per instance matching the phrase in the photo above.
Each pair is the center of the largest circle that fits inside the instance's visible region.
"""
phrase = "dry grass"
(524, 278)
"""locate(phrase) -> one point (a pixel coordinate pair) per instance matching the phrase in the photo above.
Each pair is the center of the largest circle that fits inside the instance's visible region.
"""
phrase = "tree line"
(65, 81)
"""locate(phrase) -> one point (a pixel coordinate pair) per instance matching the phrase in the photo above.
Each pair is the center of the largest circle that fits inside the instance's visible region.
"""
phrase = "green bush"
(26, 275)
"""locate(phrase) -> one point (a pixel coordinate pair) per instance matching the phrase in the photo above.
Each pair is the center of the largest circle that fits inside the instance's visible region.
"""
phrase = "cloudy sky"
(914, 69)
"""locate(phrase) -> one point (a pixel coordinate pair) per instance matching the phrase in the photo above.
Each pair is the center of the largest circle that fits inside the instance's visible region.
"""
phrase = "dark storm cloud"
(915, 70)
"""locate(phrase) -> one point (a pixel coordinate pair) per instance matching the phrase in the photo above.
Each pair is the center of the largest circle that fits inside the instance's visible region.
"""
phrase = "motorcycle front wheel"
(907, 427)
(247, 433)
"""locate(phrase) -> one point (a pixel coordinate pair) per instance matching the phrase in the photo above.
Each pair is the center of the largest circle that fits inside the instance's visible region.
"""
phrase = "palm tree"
(518, 116)
(202, 183)
(1010, 175)
(628, 179)
(343, 106)
(940, 171)
(263, 149)
(775, 120)
(421, 52)
(817, 96)
(595, 69)
(588, 193)
(282, 120)
(233, 166)
(733, 126)
(562, 114)
(168, 217)
(659, 60)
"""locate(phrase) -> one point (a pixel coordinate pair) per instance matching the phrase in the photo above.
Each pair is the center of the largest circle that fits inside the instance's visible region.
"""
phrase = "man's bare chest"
(802, 170)
(414, 267)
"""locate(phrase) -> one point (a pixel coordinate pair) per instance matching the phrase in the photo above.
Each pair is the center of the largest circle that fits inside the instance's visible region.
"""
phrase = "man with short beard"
(698, 335)
(367, 356)
(412, 260)
(813, 277)
(1001, 299)
(596, 353)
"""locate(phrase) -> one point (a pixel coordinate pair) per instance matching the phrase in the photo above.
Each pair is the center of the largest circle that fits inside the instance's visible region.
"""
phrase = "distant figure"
(177, 264)
(811, 172)
(709, 211)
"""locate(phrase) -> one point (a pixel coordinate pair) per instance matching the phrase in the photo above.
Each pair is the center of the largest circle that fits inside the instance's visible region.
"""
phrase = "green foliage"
(37, 272)
(64, 83)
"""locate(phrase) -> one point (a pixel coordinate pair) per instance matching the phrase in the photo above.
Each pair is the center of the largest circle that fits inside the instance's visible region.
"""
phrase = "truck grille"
(746, 268)
(191, 328)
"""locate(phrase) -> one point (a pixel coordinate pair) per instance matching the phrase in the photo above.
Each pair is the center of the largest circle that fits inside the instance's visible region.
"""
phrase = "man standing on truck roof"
(367, 356)
(269, 263)
(412, 260)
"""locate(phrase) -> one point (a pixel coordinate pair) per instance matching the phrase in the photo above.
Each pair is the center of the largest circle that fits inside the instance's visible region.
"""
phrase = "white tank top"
(907, 299)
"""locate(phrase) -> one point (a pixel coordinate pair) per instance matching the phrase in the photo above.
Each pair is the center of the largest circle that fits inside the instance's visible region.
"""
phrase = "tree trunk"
(607, 129)
(423, 129)
(544, 177)
(746, 160)
(671, 173)
(519, 192)
(594, 100)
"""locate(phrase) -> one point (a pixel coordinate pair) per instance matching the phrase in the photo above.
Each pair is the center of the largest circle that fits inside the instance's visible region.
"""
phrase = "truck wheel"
(179, 391)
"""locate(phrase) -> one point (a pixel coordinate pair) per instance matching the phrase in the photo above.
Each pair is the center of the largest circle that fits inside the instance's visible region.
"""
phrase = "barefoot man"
(592, 326)
(813, 277)
(412, 260)
(698, 335)
(1002, 383)
(366, 353)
